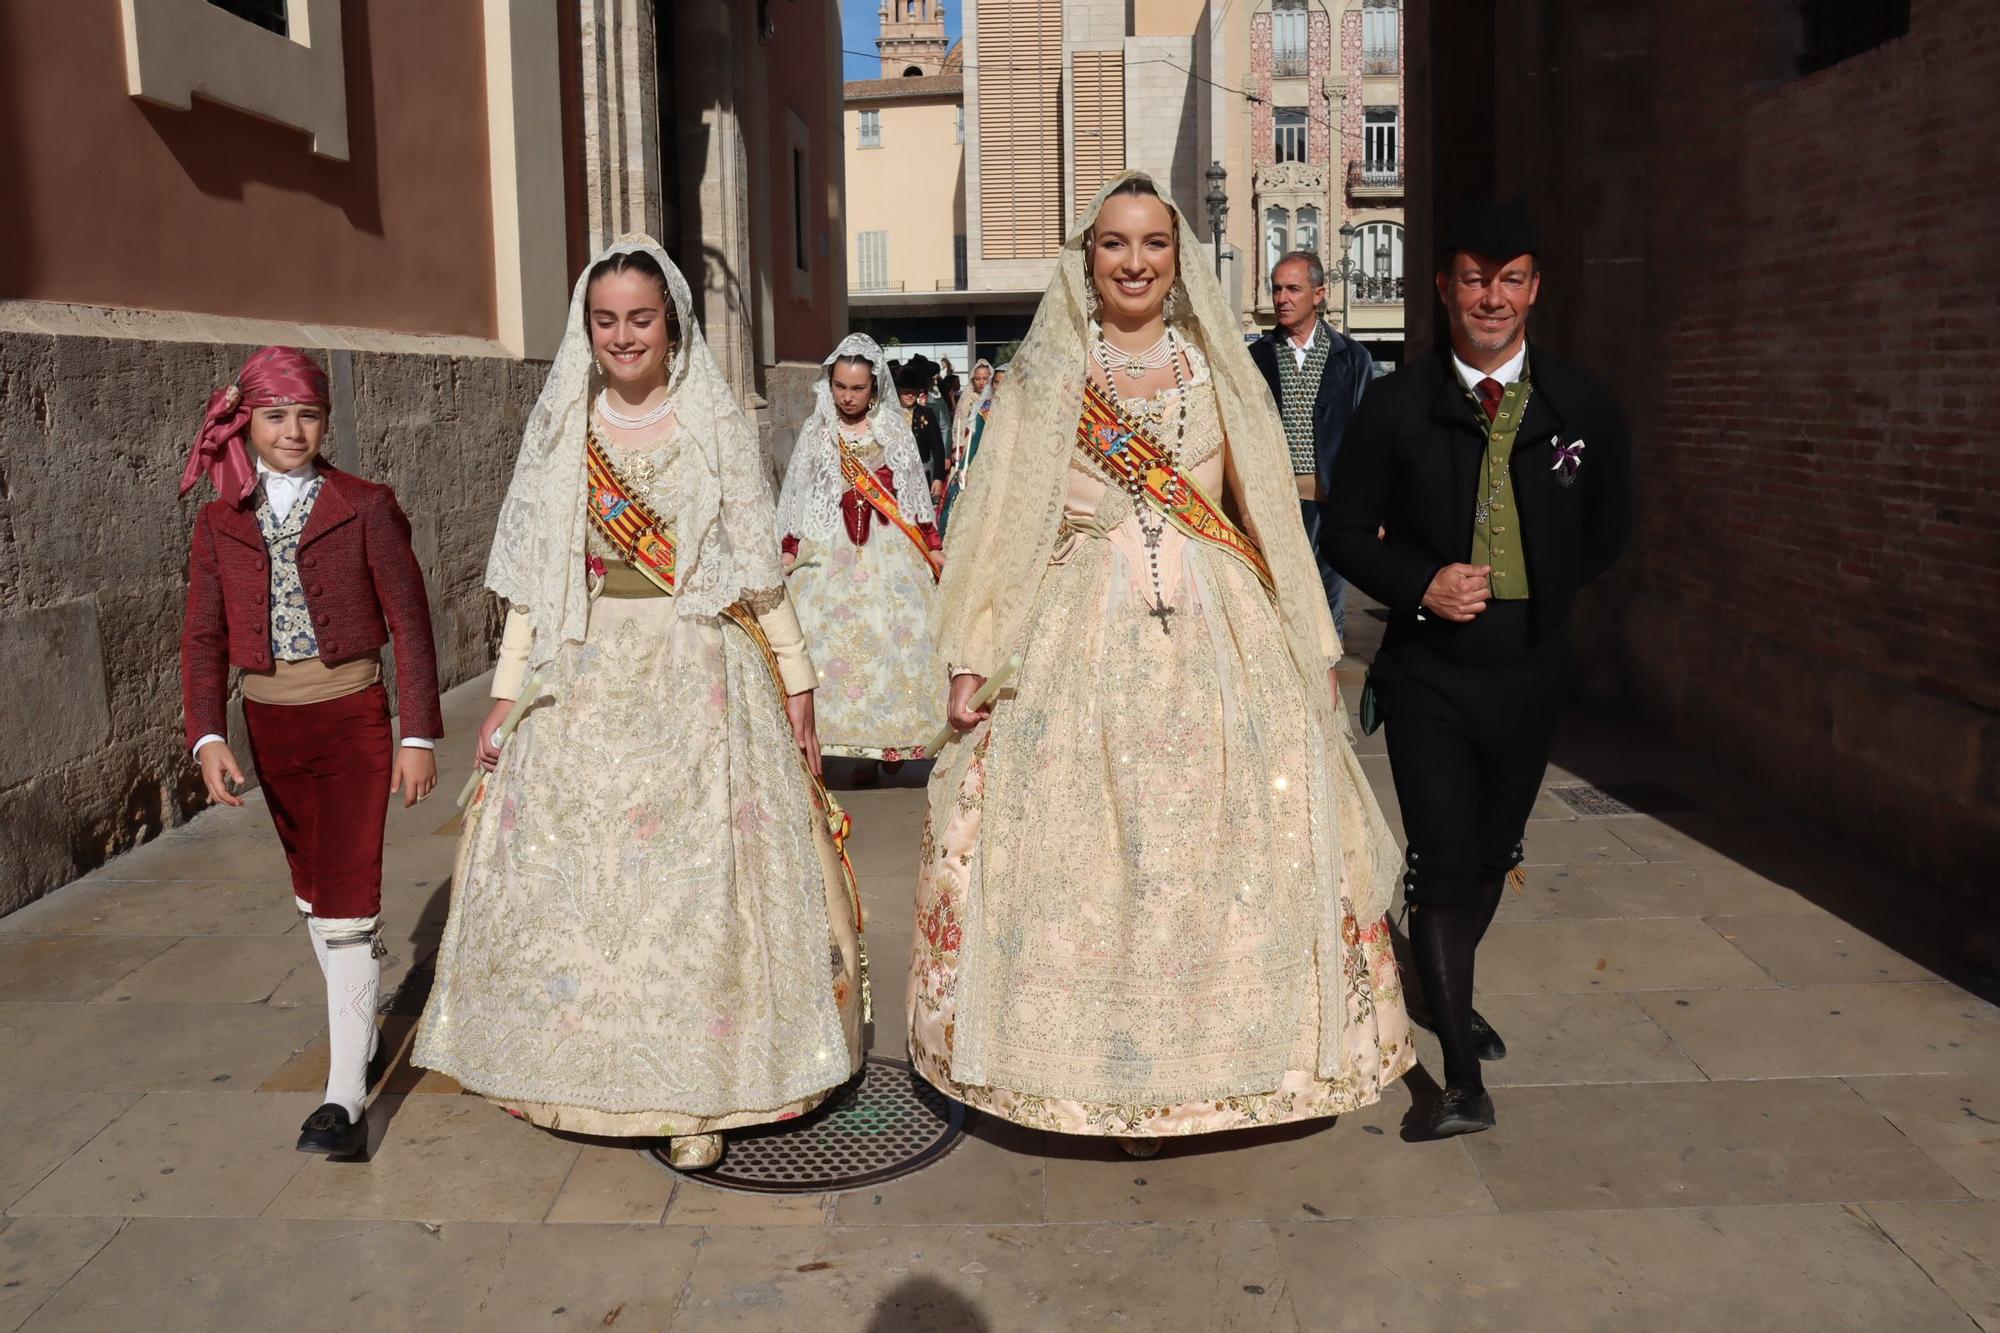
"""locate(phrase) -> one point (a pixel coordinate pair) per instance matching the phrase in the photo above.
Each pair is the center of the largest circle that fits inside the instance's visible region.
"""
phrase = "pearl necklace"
(1135, 364)
(616, 418)
(1152, 524)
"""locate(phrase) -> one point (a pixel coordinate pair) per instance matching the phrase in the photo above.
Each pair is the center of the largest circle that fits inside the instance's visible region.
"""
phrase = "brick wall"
(1783, 277)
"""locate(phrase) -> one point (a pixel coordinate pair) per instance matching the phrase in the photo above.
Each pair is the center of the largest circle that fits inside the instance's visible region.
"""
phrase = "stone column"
(621, 119)
(714, 185)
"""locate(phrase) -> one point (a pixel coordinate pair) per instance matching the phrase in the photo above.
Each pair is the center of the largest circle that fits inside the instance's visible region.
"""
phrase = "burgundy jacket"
(361, 581)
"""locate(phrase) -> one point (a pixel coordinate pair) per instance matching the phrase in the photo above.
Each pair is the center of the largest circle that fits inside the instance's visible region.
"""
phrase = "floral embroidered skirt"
(866, 613)
(1158, 859)
(649, 932)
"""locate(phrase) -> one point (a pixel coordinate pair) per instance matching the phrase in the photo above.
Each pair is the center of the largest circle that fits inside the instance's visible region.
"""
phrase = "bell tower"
(912, 41)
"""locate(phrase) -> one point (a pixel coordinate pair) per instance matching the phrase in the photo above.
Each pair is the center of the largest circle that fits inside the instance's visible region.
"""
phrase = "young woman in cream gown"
(861, 544)
(652, 933)
(1154, 877)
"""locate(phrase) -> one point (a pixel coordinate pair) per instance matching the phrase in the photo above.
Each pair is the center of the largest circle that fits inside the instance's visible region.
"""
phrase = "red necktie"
(1490, 393)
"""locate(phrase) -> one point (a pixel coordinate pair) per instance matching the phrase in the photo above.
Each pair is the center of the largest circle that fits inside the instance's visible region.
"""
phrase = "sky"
(859, 29)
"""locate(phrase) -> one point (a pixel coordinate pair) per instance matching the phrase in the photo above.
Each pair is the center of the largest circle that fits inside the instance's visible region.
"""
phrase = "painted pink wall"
(114, 201)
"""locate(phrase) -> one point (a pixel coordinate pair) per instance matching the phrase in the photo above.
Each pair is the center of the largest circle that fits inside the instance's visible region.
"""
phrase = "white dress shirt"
(1300, 349)
(281, 491)
(1506, 373)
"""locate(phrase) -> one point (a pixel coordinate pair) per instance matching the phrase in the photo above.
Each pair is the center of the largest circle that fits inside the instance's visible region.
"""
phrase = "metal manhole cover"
(885, 1122)
(1624, 798)
(1591, 802)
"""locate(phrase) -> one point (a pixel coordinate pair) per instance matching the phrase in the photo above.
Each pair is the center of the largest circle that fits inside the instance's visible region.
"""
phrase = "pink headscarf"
(272, 377)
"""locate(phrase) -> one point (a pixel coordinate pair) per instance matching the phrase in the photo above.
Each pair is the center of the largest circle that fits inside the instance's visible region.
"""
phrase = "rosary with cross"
(1136, 486)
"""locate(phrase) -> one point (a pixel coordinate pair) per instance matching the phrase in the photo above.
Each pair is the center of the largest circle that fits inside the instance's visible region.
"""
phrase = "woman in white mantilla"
(1154, 883)
(652, 932)
(860, 543)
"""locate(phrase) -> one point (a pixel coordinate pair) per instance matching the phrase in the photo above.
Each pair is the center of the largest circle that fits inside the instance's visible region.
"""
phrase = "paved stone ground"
(1745, 1091)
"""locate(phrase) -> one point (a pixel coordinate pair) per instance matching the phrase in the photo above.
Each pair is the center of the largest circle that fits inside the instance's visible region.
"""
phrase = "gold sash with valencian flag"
(1127, 454)
(623, 519)
(870, 486)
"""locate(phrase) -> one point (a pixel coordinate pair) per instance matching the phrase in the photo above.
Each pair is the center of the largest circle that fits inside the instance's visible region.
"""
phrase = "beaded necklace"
(1152, 524)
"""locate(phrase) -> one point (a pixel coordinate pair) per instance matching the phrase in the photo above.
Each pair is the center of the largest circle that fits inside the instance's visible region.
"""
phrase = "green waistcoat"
(1298, 390)
(1496, 530)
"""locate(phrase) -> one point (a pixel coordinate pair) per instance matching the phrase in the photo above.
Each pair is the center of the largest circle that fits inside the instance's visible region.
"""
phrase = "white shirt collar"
(298, 476)
(1312, 333)
(283, 489)
(1506, 373)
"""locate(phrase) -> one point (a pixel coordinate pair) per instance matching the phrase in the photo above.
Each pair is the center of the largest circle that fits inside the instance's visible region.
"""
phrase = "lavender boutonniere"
(1568, 460)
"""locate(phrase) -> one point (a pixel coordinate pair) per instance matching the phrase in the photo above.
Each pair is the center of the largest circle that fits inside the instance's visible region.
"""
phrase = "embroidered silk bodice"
(292, 636)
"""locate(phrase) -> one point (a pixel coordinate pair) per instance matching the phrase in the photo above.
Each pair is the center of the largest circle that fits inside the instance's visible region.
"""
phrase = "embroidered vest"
(1496, 519)
(1298, 390)
(292, 636)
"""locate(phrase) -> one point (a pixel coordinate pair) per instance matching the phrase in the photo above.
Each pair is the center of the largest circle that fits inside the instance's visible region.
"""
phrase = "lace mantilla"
(809, 503)
(721, 509)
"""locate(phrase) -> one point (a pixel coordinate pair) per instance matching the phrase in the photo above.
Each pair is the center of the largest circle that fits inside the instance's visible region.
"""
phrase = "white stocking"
(350, 950)
(318, 944)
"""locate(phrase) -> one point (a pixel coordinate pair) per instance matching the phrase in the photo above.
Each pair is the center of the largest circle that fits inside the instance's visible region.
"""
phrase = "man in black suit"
(1498, 480)
(911, 382)
(1317, 378)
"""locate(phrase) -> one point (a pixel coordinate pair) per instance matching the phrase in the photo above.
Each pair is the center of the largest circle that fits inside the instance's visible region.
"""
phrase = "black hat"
(916, 374)
(1494, 228)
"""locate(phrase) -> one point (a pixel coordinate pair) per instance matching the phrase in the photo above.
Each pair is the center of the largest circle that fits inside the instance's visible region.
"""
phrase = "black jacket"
(930, 440)
(1341, 384)
(1411, 465)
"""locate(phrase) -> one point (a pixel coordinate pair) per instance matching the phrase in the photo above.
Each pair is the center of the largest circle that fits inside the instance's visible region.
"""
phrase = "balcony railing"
(1288, 65)
(1385, 61)
(1375, 177)
(1370, 289)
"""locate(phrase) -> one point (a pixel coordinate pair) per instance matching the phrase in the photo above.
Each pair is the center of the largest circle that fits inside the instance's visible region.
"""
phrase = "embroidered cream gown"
(866, 612)
(1141, 848)
(650, 933)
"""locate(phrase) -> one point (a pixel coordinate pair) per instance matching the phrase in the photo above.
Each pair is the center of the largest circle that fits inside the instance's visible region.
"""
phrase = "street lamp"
(1346, 271)
(1217, 200)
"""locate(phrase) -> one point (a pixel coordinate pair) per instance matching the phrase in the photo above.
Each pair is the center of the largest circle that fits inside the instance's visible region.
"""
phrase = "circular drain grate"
(885, 1122)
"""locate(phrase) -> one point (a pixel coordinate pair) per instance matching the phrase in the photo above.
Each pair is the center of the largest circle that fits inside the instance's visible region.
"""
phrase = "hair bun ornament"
(231, 396)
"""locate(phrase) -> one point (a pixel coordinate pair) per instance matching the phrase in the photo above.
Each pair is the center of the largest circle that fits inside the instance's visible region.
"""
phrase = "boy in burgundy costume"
(298, 575)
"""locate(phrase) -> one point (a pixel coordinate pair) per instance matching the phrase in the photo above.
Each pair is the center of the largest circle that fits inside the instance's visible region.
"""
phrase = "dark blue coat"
(1341, 384)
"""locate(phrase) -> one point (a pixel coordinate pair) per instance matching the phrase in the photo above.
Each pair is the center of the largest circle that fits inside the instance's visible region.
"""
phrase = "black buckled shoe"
(1461, 1110)
(1486, 1043)
(329, 1130)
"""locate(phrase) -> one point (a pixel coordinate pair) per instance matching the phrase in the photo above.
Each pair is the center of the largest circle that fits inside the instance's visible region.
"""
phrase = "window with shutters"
(1020, 43)
(1097, 122)
(1381, 38)
(1288, 126)
(873, 255)
(871, 129)
(1379, 159)
(1306, 236)
(1277, 236)
(1288, 39)
(1378, 254)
